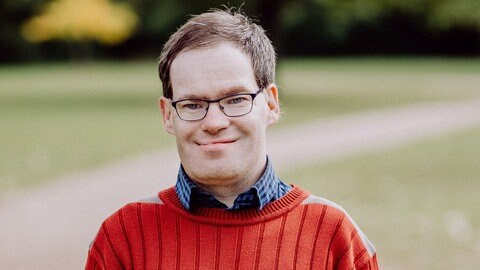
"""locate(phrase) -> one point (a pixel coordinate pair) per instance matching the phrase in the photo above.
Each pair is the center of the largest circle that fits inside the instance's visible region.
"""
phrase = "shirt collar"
(268, 188)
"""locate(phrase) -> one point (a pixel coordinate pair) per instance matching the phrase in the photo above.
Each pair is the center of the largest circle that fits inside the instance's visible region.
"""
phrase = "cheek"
(256, 128)
(182, 131)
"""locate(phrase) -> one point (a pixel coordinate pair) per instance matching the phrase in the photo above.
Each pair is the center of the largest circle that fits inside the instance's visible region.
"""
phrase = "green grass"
(61, 118)
(319, 88)
(418, 204)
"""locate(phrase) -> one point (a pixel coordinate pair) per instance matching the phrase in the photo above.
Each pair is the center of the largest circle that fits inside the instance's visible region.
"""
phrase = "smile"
(215, 145)
(226, 141)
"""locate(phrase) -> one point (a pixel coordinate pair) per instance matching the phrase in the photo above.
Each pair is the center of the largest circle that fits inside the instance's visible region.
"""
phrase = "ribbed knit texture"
(285, 234)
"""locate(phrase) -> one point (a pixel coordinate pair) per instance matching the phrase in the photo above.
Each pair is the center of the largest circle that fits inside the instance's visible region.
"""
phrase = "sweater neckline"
(236, 217)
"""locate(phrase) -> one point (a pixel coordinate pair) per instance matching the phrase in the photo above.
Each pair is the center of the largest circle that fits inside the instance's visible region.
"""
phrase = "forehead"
(211, 72)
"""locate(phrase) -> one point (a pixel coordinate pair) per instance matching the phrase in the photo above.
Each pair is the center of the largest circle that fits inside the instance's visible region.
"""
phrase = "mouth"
(215, 142)
(215, 145)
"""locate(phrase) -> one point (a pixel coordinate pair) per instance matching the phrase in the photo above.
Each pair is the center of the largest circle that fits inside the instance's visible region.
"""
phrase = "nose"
(215, 120)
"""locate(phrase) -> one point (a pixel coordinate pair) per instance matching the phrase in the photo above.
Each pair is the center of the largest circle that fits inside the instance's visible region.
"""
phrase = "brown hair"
(216, 26)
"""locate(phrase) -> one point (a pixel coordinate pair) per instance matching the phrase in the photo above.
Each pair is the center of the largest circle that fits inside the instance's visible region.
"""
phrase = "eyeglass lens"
(236, 105)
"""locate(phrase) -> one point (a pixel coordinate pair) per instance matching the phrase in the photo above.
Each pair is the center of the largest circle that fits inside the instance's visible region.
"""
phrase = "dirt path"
(50, 227)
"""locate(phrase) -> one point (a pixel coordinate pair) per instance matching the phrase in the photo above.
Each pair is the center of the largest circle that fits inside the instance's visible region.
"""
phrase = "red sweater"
(298, 231)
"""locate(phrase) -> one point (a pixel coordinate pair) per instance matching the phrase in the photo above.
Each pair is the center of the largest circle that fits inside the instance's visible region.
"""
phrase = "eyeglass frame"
(253, 95)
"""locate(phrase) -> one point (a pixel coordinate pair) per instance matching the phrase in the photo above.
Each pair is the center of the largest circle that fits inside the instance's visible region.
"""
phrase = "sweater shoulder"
(316, 200)
(332, 211)
(121, 232)
(145, 205)
(337, 212)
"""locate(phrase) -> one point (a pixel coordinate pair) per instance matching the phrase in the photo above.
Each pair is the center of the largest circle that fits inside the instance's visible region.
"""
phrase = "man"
(227, 210)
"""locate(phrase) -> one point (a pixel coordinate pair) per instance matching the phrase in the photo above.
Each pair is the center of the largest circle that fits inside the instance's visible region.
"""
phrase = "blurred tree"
(73, 20)
(381, 26)
(440, 14)
(447, 14)
(297, 27)
(161, 18)
(12, 14)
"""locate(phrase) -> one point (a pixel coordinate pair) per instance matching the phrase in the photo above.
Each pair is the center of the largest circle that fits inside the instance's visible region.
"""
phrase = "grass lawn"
(316, 88)
(418, 204)
(60, 118)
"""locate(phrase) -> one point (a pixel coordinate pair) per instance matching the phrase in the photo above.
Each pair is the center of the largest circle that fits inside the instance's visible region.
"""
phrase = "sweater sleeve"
(103, 254)
(92, 263)
(100, 255)
(371, 264)
(353, 247)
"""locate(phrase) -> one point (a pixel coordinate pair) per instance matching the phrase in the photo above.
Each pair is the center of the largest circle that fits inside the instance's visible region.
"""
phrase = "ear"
(271, 94)
(167, 115)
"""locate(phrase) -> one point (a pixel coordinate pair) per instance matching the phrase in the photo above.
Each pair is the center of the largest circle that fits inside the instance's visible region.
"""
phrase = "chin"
(216, 177)
(218, 169)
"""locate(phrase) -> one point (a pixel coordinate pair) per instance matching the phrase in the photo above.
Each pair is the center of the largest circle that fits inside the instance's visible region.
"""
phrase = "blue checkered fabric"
(267, 189)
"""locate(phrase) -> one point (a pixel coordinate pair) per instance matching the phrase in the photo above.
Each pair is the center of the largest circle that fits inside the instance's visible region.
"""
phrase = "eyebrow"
(223, 93)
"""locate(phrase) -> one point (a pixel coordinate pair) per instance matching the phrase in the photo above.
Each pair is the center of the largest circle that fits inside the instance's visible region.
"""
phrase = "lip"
(215, 145)
(221, 141)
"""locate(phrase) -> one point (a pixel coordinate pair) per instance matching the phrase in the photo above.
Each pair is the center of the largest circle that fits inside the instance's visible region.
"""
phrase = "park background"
(78, 92)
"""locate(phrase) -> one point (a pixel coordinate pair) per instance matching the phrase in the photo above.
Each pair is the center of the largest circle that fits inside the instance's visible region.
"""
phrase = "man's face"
(220, 150)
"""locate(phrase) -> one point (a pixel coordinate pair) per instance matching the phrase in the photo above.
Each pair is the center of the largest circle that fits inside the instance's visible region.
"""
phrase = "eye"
(237, 100)
(191, 105)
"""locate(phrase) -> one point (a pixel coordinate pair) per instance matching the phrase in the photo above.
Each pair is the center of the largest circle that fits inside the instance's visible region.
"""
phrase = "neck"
(226, 190)
(227, 194)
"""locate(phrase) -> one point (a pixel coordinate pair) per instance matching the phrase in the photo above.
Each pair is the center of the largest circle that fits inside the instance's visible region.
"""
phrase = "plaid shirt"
(267, 189)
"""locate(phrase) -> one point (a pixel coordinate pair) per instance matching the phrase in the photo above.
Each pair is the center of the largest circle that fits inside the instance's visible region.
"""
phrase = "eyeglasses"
(232, 106)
